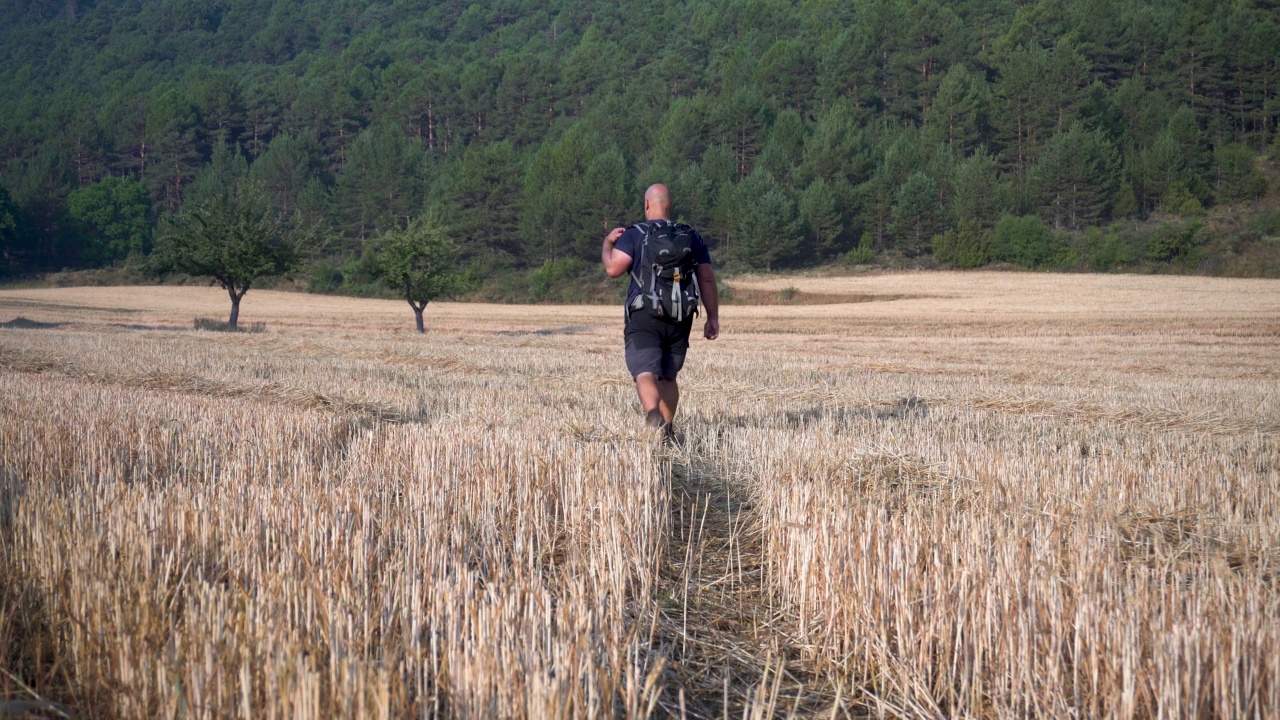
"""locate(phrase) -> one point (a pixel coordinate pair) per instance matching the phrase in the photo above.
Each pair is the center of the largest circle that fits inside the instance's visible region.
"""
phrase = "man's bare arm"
(616, 263)
(710, 299)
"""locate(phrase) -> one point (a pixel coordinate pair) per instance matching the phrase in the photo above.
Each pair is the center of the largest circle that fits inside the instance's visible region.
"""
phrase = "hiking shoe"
(653, 419)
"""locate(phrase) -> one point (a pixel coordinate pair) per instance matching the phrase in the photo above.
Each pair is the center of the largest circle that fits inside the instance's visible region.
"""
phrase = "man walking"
(670, 270)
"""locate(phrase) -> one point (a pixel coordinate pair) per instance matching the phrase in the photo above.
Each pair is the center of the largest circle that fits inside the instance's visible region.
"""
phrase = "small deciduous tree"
(420, 262)
(234, 237)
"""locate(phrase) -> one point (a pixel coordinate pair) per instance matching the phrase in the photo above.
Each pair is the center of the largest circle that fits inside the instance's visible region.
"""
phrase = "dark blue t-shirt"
(630, 242)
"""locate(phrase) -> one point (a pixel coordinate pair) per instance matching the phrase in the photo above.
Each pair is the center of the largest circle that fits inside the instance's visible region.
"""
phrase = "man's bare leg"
(669, 397)
(650, 398)
(659, 398)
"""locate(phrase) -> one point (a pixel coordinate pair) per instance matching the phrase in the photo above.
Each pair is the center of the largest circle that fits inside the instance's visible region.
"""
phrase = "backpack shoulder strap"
(638, 262)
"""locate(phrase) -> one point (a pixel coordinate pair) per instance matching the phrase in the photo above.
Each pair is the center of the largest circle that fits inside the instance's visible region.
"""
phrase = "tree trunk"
(431, 126)
(236, 295)
(417, 311)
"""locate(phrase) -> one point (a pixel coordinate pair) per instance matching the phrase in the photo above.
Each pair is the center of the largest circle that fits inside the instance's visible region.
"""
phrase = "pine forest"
(1074, 135)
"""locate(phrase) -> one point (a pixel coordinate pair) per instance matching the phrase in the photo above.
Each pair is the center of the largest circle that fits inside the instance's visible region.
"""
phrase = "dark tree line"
(790, 132)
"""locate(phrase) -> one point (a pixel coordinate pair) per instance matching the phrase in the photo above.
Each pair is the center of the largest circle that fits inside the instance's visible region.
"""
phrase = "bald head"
(657, 202)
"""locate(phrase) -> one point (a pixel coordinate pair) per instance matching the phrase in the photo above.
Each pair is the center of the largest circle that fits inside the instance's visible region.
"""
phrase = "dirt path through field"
(728, 654)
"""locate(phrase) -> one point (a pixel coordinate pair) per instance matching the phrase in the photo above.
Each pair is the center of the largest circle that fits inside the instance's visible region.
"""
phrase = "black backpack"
(668, 287)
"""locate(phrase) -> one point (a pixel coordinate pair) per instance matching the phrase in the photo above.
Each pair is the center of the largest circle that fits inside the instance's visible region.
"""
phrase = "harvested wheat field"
(987, 495)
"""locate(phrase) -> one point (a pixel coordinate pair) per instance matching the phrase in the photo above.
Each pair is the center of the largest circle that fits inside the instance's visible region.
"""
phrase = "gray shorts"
(656, 345)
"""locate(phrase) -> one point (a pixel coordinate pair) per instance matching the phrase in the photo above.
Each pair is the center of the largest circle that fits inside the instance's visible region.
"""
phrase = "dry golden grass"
(1017, 495)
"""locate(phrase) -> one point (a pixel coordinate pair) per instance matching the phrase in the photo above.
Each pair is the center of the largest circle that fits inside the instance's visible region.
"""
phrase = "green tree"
(1185, 130)
(429, 105)
(1024, 241)
(420, 263)
(588, 68)
(218, 100)
(476, 88)
(263, 109)
(1078, 176)
(289, 165)
(958, 115)
(236, 238)
(720, 165)
(174, 151)
(484, 199)
(785, 73)
(226, 170)
(964, 246)
(938, 39)
(1125, 203)
(1103, 251)
(875, 199)
(1159, 169)
(113, 217)
(384, 182)
(768, 227)
(1144, 112)
(979, 193)
(849, 67)
(739, 123)
(915, 214)
(777, 162)
(1173, 243)
(524, 101)
(694, 194)
(1023, 105)
(574, 190)
(682, 139)
(789, 132)
(1237, 177)
(39, 187)
(837, 150)
(820, 210)
(1037, 94)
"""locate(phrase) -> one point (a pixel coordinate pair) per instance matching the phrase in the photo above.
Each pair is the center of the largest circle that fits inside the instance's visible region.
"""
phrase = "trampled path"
(729, 653)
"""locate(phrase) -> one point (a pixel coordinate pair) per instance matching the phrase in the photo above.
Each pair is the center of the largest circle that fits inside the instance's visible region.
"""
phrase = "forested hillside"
(973, 131)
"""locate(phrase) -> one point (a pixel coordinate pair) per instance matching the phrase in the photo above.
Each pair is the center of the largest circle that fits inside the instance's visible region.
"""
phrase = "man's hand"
(710, 300)
(711, 330)
(613, 235)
